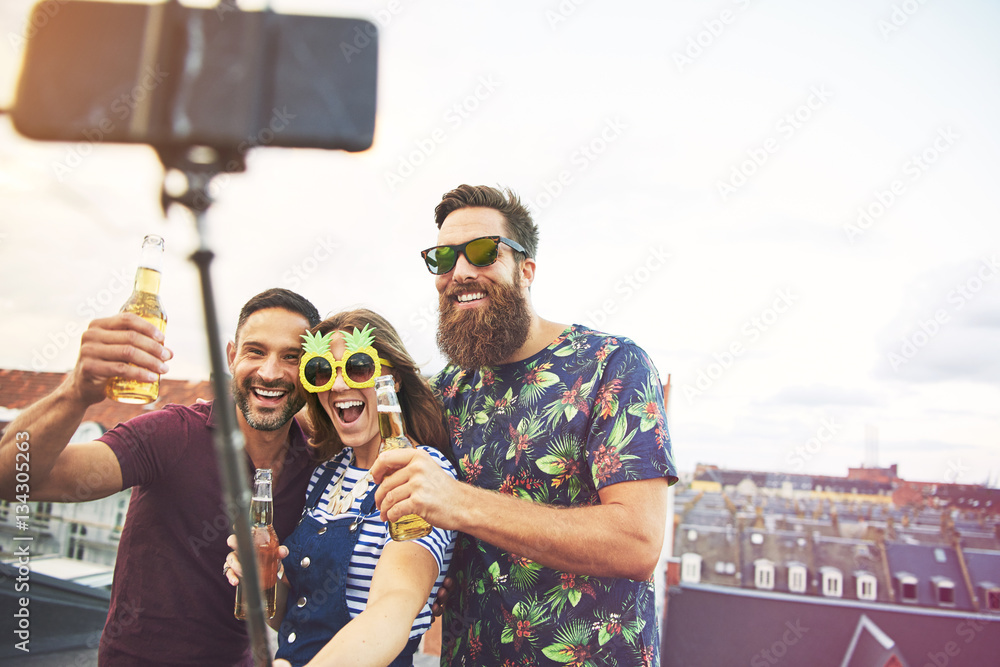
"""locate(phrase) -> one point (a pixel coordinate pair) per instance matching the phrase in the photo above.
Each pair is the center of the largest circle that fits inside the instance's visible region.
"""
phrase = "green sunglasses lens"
(318, 371)
(441, 260)
(482, 252)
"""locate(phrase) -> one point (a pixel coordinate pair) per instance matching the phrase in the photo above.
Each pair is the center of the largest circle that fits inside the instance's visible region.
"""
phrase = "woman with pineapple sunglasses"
(348, 590)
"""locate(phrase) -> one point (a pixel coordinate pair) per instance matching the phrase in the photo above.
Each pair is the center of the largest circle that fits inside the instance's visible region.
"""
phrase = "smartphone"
(169, 75)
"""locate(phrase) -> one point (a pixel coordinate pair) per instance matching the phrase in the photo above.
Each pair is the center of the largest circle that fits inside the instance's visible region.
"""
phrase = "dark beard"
(270, 420)
(483, 337)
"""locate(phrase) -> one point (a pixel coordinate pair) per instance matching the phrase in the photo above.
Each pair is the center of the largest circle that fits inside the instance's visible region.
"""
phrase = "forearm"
(48, 426)
(608, 540)
(374, 637)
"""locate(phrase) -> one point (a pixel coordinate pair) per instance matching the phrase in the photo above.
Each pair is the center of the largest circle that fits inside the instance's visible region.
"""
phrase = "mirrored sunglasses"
(480, 252)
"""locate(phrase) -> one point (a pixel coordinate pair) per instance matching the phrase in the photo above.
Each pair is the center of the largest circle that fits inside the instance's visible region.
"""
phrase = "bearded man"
(564, 460)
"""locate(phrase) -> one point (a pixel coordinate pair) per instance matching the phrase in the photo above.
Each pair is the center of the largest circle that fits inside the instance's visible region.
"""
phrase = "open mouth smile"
(349, 411)
(268, 396)
(469, 297)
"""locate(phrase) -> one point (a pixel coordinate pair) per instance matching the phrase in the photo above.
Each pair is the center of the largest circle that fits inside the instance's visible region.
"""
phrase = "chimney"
(880, 543)
(957, 544)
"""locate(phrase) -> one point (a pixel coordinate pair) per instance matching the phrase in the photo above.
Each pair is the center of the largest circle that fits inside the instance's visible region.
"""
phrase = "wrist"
(467, 507)
(74, 398)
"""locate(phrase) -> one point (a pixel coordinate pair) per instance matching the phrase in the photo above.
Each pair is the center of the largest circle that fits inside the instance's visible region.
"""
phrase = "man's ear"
(527, 272)
(231, 355)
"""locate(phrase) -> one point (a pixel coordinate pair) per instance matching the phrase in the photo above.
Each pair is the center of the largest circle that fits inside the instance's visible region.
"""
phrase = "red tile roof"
(19, 389)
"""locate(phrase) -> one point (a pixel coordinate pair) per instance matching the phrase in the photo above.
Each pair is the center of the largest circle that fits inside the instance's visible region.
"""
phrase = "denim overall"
(316, 567)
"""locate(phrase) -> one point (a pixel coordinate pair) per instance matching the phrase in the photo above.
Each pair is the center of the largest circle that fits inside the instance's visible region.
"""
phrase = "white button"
(291, 638)
(301, 602)
(305, 562)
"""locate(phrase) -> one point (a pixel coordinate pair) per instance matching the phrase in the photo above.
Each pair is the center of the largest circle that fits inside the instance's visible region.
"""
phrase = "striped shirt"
(375, 535)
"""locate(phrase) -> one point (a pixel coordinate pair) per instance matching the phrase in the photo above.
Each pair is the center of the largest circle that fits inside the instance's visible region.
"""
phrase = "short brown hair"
(520, 226)
(278, 297)
(422, 412)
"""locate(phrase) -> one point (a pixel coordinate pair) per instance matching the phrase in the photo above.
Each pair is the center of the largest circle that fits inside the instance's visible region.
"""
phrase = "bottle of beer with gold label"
(144, 302)
(265, 541)
(390, 424)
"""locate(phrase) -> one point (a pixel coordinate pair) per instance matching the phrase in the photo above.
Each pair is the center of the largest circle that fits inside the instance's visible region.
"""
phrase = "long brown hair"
(422, 411)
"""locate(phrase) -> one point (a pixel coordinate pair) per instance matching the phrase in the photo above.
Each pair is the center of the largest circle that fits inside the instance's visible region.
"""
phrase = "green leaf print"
(523, 437)
(571, 590)
(648, 408)
(522, 623)
(523, 572)
(572, 645)
(569, 401)
(563, 465)
(493, 408)
(536, 381)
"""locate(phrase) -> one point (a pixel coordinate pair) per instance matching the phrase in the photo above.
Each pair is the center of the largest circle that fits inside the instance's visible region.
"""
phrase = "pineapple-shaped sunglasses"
(361, 363)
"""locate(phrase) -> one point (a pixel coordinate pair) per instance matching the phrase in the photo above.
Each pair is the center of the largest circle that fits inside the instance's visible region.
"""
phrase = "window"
(691, 568)
(944, 591)
(76, 549)
(43, 513)
(867, 586)
(991, 599)
(832, 582)
(764, 574)
(907, 586)
(797, 578)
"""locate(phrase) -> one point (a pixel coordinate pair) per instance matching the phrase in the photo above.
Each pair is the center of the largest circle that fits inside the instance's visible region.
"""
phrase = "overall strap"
(320, 487)
(368, 503)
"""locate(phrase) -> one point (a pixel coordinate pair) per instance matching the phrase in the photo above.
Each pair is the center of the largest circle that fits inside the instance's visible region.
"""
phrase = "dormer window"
(691, 568)
(944, 591)
(798, 577)
(989, 593)
(763, 574)
(867, 586)
(833, 582)
(906, 584)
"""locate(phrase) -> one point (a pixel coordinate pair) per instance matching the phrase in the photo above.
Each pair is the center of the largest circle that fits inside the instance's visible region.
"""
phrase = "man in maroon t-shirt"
(170, 604)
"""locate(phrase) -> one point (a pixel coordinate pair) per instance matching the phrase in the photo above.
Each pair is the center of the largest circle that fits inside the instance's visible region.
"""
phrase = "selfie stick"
(199, 164)
(207, 163)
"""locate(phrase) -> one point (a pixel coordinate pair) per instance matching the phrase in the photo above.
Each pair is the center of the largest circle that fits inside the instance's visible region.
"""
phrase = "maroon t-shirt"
(170, 603)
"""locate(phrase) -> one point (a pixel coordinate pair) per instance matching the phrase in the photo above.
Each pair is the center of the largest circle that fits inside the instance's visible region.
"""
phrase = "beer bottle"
(265, 541)
(390, 424)
(144, 302)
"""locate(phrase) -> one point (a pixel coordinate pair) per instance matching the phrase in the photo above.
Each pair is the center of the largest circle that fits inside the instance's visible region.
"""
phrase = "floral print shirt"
(584, 413)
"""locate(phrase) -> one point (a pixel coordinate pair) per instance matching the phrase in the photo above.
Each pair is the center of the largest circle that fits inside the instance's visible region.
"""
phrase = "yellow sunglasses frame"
(342, 363)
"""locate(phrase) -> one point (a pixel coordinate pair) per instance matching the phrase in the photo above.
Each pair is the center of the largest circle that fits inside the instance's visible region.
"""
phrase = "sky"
(790, 206)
